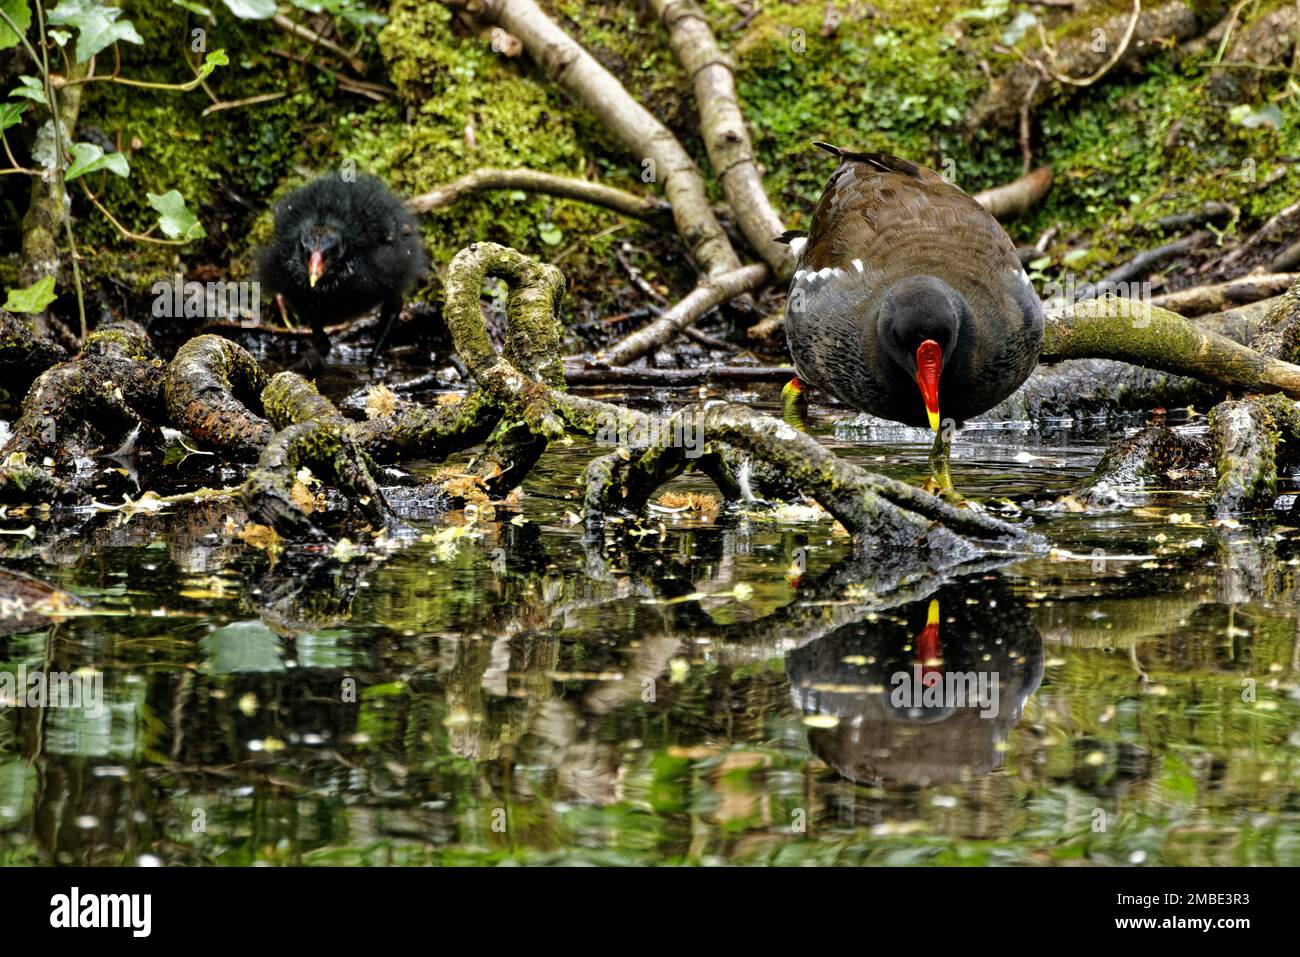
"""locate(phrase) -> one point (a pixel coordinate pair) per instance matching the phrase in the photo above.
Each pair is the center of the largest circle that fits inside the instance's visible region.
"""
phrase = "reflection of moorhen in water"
(925, 702)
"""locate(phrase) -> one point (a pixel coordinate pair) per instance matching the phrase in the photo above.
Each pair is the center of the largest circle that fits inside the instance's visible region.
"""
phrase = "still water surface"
(698, 688)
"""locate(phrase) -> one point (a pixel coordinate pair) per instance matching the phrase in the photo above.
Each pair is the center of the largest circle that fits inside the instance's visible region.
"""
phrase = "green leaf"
(21, 14)
(61, 37)
(11, 114)
(176, 221)
(35, 298)
(87, 158)
(550, 234)
(97, 26)
(213, 60)
(32, 89)
(198, 8)
(251, 9)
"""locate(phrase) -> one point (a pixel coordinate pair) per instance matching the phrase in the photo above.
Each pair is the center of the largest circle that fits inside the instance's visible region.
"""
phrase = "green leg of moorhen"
(794, 405)
(940, 481)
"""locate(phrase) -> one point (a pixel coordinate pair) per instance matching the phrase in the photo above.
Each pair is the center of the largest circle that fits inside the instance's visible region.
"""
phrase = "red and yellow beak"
(315, 267)
(929, 360)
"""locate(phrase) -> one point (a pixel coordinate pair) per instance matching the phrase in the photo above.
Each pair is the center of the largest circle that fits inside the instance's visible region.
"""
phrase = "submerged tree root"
(1151, 457)
(312, 436)
(1247, 436)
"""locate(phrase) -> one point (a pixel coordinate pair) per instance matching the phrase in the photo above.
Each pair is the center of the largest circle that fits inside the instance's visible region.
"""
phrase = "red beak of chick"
(929, 360)
(315, 267)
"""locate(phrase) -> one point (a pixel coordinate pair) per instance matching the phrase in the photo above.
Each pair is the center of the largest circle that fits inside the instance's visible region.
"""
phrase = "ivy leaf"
(176, 220)
(97, 26)
(35, 298)
(198, 8)
(251, 9)
(550, 234)
(61, 37)
(213, 60)
(11, 114)
(32, 89)
(21, 14)
(87, 158)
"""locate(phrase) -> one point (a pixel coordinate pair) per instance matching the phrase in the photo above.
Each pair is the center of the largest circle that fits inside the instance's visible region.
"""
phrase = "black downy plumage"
(342, 246)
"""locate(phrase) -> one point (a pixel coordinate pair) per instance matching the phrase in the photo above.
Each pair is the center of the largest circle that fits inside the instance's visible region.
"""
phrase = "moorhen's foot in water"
(343, 246)
(908, 299)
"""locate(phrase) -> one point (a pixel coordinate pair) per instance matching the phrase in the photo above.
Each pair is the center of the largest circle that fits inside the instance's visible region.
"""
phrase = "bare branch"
(534, 181)
(723, 129)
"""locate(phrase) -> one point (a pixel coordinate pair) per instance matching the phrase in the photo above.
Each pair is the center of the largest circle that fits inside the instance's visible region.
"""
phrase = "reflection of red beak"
(929, 649)
(929, 360)
(315, 267)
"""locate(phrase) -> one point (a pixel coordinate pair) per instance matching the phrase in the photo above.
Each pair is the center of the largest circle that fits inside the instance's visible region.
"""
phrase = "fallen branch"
(620, 201)
(1017, 197)
(712, 291)
(1148, 259)
(722, 127)
(1204, 299)
(569, 64)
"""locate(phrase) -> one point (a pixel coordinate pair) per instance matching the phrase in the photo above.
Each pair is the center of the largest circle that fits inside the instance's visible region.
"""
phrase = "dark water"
(700, 688)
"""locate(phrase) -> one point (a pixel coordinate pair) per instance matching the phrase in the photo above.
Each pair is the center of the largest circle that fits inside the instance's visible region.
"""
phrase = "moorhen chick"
(909, 301)
(342, 246)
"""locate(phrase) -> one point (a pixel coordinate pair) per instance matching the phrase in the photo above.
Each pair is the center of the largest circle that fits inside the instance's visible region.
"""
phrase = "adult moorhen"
(908, 301)
(342, 245)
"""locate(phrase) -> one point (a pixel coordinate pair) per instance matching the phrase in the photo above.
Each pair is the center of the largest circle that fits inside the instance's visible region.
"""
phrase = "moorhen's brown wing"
(882, 219)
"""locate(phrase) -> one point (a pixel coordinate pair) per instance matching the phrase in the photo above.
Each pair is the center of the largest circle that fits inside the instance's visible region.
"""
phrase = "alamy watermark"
(52, 689)
(923, 688)
(177, 299)
(685, 430)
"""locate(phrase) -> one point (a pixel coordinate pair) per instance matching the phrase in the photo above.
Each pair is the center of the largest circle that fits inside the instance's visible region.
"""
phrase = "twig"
(623, 375)
(355, 63)
(1105, 67)
(247, 101)
(1202, 299)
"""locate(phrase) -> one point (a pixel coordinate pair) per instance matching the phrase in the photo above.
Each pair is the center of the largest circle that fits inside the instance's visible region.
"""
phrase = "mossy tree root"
(84, 406)
(1132, 331)
(210, 386)
(312, 435)
(880, 512)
